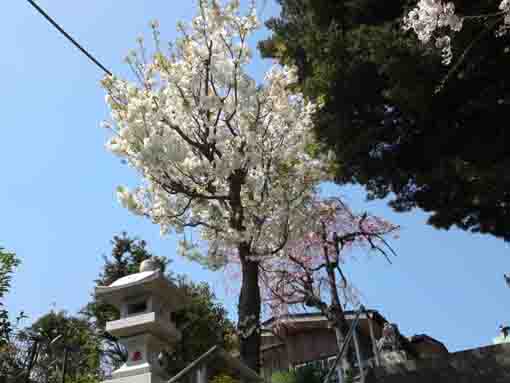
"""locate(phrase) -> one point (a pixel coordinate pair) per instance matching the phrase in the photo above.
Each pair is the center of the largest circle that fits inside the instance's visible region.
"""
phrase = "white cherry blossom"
(225, 163)
(217, 153)
(436, 20)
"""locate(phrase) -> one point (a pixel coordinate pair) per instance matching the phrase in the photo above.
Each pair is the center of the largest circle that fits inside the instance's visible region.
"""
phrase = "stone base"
(129, 370)
(140, 378)
(136, 373)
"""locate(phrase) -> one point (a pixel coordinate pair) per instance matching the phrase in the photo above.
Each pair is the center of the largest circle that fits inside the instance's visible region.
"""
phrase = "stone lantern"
(146, 301)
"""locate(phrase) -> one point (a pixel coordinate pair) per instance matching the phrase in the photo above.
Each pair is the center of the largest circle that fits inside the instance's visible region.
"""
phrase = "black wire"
(59, 28)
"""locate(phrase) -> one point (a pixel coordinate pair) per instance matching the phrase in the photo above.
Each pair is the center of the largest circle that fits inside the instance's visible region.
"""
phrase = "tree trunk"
(249, 311)
(249, 298)
(340, 325)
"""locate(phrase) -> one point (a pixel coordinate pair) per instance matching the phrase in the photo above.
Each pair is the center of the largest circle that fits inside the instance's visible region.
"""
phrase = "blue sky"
(58, 209)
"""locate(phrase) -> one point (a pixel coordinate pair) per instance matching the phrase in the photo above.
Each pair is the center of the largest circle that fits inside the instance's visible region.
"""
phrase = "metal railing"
(197, 371)
(345, 345)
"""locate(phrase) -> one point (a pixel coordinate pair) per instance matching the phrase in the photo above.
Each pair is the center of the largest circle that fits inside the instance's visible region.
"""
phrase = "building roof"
(424, 338)
(319, 317)
(418, 339)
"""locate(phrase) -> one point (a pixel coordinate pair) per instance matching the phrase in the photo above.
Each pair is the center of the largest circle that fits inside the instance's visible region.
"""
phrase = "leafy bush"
(224, 378)
(283, 377)
(310, 374)
(307, 374)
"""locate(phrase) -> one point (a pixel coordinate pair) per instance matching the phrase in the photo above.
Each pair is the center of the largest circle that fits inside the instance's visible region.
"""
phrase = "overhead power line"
(75, 43)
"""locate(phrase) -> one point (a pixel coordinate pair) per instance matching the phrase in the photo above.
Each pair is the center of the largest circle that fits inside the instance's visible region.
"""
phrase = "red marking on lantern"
(137, 355)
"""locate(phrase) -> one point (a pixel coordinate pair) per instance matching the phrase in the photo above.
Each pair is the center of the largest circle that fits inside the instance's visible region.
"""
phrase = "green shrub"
(310, 374)
(349, 376)
(224, 378)
(283, 377)
(307, 374)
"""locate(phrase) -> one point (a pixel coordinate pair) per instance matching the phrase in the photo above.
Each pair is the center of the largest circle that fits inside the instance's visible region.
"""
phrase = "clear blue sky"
(58, 210)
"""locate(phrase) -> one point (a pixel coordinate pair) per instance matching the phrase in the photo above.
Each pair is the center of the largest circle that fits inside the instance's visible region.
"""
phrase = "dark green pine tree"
(445, 152)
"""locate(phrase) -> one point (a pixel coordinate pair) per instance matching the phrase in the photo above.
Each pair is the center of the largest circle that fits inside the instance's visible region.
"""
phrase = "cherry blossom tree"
(221, 157)
(435, 20)
(308, 271)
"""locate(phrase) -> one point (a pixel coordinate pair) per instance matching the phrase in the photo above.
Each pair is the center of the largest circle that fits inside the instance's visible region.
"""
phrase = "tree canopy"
(398, 120)
(8, 262)
(218, 154)
(9, 355)
(204, 323)
(92, 352)
(57, 332)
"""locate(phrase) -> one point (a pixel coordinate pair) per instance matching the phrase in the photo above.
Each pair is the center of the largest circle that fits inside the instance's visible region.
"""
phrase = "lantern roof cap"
(151, 282)
(133, 278)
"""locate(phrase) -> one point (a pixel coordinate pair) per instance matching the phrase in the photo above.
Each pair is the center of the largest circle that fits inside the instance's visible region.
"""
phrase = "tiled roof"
(318, 317)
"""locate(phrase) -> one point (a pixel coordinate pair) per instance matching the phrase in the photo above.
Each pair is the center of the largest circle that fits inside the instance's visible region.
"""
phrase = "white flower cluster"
(503, 28)
(434, 19)
(215, 151)
(430, 16)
